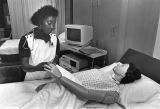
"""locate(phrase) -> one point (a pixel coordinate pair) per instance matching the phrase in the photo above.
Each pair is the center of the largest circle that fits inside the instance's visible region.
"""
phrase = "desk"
(95, 59)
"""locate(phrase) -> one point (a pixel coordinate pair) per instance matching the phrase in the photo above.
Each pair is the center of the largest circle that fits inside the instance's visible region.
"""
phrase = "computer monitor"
(79, 35)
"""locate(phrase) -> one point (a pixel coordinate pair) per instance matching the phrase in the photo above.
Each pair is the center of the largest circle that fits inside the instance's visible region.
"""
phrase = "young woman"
(41, 45)
(97, 85)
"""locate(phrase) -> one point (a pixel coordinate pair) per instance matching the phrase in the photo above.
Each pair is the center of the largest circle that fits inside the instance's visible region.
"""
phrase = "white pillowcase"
(61, 37)
(139, 91)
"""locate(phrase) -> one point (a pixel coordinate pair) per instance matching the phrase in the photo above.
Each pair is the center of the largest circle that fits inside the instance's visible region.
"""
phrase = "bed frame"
(148, 65)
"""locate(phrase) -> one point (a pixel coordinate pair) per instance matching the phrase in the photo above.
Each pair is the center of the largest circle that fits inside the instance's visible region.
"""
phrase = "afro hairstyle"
(132, 74)
(42, 13)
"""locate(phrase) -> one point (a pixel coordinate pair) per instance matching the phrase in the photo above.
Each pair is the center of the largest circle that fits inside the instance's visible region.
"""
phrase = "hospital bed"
(142, 94)
(10, 62)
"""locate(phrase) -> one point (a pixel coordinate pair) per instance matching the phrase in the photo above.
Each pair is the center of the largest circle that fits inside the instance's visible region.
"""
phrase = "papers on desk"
(90, 50)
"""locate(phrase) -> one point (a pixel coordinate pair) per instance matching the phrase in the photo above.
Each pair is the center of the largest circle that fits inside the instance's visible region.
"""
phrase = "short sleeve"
(58, 48)
(24, 50)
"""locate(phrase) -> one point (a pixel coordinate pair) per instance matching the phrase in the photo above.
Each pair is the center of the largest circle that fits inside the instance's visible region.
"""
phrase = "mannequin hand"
(53, 70)
(40, 87)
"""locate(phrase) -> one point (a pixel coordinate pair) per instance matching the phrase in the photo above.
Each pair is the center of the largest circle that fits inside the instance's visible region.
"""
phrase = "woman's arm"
(56, 60)
(107, 97)
(81, 91)
(29, 68)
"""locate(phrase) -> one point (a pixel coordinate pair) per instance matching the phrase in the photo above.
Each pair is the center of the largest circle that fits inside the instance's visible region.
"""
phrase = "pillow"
(61, 37)
(138, 91)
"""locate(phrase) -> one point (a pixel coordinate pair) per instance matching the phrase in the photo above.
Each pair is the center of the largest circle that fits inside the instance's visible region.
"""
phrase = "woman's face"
(48, 24)
(121, 69)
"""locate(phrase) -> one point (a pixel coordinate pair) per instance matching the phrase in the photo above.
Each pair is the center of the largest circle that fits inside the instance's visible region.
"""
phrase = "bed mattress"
(9, 51)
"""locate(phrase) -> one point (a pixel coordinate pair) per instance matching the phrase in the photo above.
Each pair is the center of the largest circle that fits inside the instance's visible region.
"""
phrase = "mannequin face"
(48, 24)
(120, 70)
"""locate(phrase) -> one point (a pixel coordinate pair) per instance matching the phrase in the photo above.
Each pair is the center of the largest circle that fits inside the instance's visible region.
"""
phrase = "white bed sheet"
(9, 47)
(15, 95)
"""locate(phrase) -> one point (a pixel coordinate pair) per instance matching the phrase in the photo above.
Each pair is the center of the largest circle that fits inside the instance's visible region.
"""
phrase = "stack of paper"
(90, 50)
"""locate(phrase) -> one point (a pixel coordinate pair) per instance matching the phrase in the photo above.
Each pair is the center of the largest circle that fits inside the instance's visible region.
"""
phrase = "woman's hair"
(42, 13)
(132, 74)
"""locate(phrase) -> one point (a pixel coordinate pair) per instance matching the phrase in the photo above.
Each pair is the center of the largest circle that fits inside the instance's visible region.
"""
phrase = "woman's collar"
(114, 78)
(39, 34)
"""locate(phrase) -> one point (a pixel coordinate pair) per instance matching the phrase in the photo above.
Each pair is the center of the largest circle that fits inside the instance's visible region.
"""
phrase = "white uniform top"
(40, 52)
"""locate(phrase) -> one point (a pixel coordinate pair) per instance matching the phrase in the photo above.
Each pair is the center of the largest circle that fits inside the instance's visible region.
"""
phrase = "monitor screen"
(74, 34)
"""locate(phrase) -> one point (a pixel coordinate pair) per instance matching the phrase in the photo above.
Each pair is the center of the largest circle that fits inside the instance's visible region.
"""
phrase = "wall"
(141, 25)
(2, 23)
(106, 20)
(120, 24)
(4, 17)
(156, 53)
(82, 12)
(68, 11)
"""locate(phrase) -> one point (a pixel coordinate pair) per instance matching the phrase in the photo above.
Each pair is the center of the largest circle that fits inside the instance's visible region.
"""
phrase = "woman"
(97, 85)
(41, 45)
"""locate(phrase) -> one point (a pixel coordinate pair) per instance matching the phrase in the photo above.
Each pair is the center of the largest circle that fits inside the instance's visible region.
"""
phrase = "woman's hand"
(41, 66)
(53, 70)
